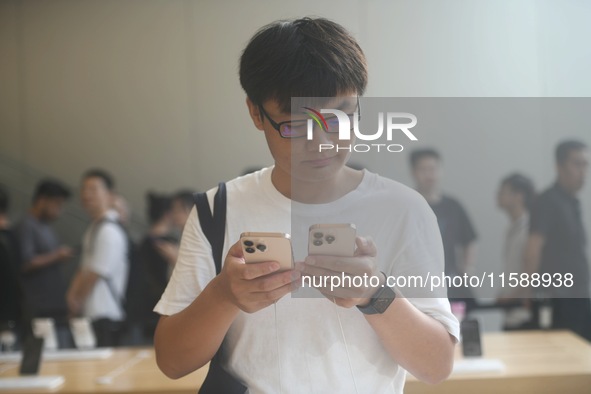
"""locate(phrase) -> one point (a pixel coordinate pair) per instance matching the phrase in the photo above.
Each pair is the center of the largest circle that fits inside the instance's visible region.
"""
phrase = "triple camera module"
(250, 246)
(319, 239)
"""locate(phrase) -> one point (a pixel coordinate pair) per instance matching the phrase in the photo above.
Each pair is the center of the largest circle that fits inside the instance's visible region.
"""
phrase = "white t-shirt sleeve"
(423, 256)
(193, 270)
(109, 249)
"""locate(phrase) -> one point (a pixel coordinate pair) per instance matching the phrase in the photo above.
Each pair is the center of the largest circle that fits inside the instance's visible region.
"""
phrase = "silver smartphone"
(332, 239)
(261, 247)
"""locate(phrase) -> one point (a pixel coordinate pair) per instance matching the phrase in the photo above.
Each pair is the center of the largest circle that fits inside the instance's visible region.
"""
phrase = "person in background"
(4, 205)
(457, 231)
(98, 288)
(158, 253)
(182, 203)
(515, 197)
(557, 242)
(11, 294)
(42, 255)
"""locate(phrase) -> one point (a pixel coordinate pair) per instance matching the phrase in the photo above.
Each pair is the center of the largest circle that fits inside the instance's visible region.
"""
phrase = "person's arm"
(187, 340)
(418, 342)
(46, 259)
(467, 235)
(28, 250)
(168, 250)
(467, 257)
(81, 286)
(541, 222)
(533, 252)
(109, 247)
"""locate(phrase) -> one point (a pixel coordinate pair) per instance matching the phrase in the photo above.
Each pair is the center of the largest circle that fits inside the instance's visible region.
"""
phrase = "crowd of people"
(118, 280)
(546, 235)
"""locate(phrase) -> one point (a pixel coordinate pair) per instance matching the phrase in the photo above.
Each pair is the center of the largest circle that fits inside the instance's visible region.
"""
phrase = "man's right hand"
(252, 287)
(64, 253)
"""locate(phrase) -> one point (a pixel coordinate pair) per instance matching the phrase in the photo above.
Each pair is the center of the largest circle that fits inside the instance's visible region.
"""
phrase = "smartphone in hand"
(332, 239)
(262, 247)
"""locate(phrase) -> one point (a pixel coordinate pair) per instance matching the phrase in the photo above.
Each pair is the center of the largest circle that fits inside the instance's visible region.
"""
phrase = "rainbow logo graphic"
(318, 118)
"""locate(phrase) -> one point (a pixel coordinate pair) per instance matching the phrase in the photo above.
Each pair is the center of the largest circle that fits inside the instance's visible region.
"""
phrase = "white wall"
(148, 89)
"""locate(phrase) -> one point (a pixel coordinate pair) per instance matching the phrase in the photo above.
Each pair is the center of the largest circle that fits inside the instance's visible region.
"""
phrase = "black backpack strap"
(218, 380)
(213, 226)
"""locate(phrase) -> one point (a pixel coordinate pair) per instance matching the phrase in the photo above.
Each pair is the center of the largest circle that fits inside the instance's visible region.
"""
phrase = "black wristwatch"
(380, 301)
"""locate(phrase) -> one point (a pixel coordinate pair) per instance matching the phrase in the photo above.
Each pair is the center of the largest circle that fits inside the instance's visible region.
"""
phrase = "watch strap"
(379, 302)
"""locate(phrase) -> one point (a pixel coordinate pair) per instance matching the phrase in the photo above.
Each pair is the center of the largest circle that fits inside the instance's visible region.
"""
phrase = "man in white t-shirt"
(98, 289)
(277, 338)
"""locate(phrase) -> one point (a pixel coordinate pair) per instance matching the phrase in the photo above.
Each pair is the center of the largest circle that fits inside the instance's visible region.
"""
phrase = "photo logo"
(340, 122)
(318, 118)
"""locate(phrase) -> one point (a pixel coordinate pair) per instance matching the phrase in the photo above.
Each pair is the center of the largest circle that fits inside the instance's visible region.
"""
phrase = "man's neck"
(36, 213)
(99, 214)
(432, 196)
(516, 213)
(316, 192)
(565, 188)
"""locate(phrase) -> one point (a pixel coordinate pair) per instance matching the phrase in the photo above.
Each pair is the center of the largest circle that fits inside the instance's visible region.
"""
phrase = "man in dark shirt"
(10, 294)
(557, 241)
(457, 231)
(41, 253)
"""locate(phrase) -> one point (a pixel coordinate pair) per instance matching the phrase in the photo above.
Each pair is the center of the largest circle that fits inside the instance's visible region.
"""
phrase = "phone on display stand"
(471, 342)
(32, 350)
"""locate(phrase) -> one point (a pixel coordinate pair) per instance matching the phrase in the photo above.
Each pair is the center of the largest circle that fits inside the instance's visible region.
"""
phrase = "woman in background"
(157, 252)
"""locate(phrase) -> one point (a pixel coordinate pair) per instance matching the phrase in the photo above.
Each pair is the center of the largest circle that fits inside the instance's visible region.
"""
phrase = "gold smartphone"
(261, 247)
(332, 239)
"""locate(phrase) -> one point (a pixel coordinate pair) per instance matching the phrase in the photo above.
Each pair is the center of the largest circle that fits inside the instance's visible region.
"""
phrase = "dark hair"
(308, 57)
(158, 206)
(419, 154)
(4, 200)
(521, 184)
(185, 196)
(103, 175)
(49, 188)
(564, 148)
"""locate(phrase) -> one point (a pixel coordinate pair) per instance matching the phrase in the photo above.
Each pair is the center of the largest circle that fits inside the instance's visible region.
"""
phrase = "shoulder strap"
(213, 226)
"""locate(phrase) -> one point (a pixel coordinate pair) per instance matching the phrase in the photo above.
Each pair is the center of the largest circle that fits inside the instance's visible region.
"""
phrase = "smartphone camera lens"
(248, 243)
(249, 250)
(261, 247)
(330, 239)
(318, 235)
(317, 242)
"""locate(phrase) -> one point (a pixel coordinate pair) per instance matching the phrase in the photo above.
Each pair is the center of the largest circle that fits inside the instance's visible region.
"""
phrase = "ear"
(255, 114)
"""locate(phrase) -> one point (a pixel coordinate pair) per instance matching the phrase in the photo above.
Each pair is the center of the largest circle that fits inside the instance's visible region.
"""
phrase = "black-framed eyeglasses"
(299, 128)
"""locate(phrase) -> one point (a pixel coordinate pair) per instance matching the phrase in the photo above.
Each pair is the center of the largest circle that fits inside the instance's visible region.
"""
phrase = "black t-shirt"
(557, 216)
(456, 230)
(45, 288)
(10, 290)
(155, 273)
